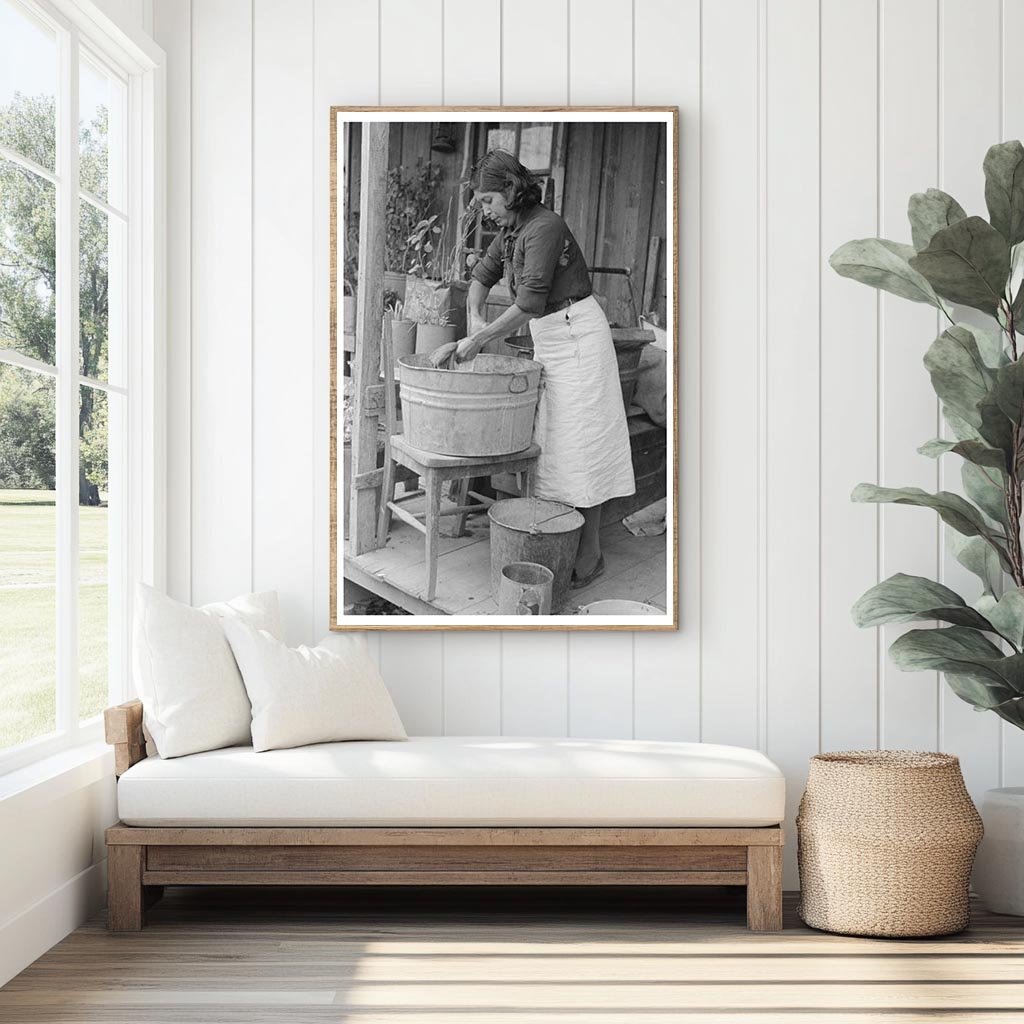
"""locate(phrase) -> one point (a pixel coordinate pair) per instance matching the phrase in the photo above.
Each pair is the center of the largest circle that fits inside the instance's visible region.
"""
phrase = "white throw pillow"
(309, 694)
(192, 693)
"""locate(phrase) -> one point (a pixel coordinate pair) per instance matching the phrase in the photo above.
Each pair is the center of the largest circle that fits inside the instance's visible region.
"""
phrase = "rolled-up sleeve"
(488, 269)
(542, 247)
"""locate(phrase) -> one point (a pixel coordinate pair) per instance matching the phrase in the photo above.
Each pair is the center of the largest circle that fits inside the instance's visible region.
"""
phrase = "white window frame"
(141, 64)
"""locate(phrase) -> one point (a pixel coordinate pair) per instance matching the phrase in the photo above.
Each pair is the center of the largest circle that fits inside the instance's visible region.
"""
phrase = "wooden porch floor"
(635, 571)
(600, 956)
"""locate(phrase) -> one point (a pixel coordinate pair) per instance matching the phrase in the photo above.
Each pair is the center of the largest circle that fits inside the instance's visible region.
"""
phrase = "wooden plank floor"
(219, 956)
(635, 570)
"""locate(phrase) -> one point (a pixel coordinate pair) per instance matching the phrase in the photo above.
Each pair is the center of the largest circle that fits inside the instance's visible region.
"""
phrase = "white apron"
(581, 423)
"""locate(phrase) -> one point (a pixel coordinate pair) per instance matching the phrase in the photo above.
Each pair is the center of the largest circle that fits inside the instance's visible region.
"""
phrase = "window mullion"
(67, 386)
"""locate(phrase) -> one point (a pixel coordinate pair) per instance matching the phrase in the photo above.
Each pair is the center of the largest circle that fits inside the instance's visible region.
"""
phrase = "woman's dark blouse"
(541, 261)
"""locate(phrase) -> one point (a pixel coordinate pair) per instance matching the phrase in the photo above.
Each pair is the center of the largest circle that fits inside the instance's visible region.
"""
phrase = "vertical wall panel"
(221, 377)
(414, 673)
(968, 125)
(411, 64)
(792, 385)
(173, 29)
(1012, 127)
(600, 61)
(534, 52)
(730, 501)
(472, 74)
(909, 414)
(849, 369)
(283, 308)
(472, 684)
(472, 50)
(350, 30)
(600, 685)
(535, 684)
(667, 665)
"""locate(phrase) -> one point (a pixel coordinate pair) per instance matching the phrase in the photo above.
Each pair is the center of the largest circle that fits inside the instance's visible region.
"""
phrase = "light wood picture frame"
(405, 232)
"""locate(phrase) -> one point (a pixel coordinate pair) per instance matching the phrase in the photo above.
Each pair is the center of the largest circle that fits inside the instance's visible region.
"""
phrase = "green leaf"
(958, 372)
(1004, 189)
(952, 509)
(903, 598)
(980, 692)
(1017, 309)
(967, 263)
(985, 487)
(973, 451)
(1009, 390)
(1006, 614)
(995, 428)
(976, 555)
(883, 264)
(932, 211)
(964, 652)
(1013, 285)
(962, 430)
(990, 345)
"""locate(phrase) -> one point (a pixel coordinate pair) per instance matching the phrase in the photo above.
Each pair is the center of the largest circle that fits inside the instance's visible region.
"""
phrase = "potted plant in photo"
(438, 266)
(403, 332)
(977, 373)
(433, 328)
(409, 196)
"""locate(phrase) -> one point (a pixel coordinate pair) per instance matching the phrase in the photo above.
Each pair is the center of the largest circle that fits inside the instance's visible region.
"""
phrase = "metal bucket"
(485, 408)
(535, 530)
(525, 589)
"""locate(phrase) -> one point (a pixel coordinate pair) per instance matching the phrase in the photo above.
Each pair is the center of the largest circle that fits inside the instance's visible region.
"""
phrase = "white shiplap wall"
(804, 123)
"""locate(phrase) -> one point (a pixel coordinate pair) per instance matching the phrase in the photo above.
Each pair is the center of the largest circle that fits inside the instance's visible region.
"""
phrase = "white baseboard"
(28, 936)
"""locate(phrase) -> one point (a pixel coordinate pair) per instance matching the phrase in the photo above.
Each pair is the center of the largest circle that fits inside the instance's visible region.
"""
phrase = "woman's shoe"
(579, 582)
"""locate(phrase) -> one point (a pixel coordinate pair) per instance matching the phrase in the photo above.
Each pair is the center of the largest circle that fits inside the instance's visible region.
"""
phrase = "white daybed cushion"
(458, 780)
(191, 690)
(306, 695)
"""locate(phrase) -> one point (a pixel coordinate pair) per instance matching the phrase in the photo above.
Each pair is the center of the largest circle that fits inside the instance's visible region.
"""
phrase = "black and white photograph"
(504, 351)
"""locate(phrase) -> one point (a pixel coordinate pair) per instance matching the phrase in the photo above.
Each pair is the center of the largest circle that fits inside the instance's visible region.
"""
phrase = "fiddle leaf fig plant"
(978, 375)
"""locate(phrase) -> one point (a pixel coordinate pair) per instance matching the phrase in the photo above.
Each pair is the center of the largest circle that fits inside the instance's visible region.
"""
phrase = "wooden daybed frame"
(142, 860)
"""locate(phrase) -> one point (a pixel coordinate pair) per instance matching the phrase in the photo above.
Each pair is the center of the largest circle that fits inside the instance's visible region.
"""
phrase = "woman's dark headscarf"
(501, 172)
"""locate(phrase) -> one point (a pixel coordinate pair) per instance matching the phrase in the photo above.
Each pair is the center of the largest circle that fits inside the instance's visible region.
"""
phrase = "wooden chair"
(433, 470)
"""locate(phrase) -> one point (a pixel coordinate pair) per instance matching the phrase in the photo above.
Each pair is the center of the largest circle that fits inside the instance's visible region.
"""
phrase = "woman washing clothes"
(581, 424)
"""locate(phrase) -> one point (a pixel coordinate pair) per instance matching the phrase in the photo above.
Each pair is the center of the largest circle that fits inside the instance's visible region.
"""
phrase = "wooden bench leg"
(125, 896)
(764, 888)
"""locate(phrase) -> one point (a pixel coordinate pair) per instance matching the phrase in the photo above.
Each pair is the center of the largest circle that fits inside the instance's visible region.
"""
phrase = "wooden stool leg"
(461, 498)
(387, 494)
(526, 482)
(764, 888)
(433, 525)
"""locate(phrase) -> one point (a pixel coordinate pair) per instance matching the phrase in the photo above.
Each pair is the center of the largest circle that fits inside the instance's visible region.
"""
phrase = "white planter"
(999, 866)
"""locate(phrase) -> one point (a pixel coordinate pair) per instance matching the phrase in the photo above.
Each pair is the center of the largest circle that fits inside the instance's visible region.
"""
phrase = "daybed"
(444, 811)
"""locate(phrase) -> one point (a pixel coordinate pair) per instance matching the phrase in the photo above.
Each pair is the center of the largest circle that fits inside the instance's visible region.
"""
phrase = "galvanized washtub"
(486, 407)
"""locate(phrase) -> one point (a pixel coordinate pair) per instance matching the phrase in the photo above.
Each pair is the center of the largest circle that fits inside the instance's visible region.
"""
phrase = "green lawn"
(28, 617)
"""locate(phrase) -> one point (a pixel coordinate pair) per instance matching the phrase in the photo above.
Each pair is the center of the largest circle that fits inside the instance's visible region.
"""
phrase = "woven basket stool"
(885, 843)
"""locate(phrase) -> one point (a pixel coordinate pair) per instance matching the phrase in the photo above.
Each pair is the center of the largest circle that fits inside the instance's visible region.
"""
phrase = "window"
(77, 249)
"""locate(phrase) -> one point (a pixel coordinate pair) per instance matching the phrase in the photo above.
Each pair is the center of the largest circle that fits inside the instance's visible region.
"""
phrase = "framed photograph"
(504, 352)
